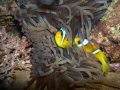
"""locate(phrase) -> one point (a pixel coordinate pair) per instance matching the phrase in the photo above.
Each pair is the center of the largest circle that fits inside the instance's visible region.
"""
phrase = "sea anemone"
(73, 16)
(54, 67)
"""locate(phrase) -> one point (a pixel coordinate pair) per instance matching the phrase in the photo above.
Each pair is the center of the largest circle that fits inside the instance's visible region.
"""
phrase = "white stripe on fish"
(85, 42)
(96, 51)
(64, 33)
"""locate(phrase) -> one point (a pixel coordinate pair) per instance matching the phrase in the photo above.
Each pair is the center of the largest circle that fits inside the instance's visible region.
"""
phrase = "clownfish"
(61, 39)
(49, 2)
(94, 50)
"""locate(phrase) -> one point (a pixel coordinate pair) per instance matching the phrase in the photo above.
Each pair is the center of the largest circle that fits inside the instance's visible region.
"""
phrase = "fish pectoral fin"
(66, 46)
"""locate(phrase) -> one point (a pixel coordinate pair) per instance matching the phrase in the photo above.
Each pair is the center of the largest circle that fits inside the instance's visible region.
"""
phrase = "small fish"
(61, 39)
(14, 76)
(49, 2)
(94, 50)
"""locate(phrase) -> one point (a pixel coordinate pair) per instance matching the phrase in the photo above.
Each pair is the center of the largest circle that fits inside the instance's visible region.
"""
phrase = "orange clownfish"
(61, 39)
(94, 50)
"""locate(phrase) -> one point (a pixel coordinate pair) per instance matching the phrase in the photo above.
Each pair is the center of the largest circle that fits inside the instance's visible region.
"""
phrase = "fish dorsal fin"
(63, 35)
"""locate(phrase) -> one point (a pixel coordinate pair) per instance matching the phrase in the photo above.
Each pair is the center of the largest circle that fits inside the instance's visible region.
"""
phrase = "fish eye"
(79, 42)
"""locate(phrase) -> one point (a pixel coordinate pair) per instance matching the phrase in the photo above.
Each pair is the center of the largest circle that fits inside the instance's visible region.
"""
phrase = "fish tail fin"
(106, 68)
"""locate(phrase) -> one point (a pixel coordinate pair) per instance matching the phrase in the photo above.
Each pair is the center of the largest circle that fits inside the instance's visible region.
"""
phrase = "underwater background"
(30, 57)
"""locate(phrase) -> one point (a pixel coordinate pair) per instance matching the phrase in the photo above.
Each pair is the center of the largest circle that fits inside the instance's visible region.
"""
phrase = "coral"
(116, 66)
(107, 33)
(4, 7)
(15, 55)
(6, 20)
(12, 26)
